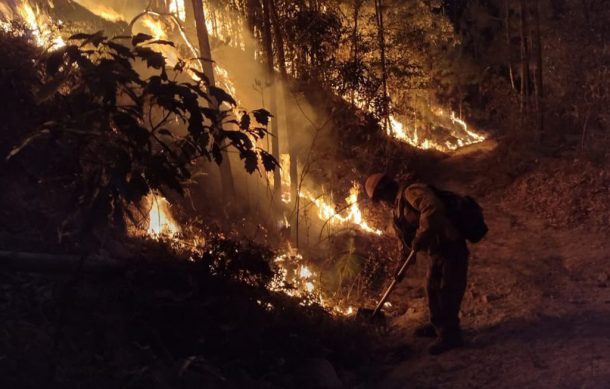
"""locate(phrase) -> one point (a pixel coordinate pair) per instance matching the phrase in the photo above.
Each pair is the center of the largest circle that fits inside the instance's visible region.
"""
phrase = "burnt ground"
(537, 309)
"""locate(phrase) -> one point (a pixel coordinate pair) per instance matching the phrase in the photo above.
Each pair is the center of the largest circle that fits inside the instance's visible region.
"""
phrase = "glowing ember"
(305, 272)
(161, 222)
(296, 279)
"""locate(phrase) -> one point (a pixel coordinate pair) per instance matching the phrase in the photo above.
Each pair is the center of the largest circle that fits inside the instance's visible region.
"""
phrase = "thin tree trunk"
(205, 52)
(508, 44)
(275, 142)
(538, 82)
(294, 174)
(525, 77)
(189, 19)
(384, 74)
(279, 39)
(355, 57)
(251, 7)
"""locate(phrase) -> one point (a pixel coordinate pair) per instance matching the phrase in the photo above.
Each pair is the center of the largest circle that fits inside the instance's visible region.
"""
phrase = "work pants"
(446, 283)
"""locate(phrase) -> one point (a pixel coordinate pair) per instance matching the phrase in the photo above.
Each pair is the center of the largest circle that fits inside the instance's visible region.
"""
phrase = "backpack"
(465, 213)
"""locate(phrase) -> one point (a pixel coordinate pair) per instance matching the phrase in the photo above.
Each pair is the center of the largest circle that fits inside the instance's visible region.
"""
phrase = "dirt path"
(536, 313)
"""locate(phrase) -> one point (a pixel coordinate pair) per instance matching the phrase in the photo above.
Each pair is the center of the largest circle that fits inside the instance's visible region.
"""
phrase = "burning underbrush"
(336, 279)
(185, 286)
(297, 273)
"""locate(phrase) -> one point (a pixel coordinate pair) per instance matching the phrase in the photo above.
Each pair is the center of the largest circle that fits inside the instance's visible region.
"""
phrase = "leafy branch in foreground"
(134, 124)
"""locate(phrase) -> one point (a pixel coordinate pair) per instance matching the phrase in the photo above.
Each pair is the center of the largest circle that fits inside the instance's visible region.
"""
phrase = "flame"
(294, 278)
(285, 175)
(305, 272)
(160, 220)
(355, 215)
(463, 137)
(224, 81)
(396, 129)
(327, 210)
(297, 279)
(39, 25)
(101, 10)
(157, 30)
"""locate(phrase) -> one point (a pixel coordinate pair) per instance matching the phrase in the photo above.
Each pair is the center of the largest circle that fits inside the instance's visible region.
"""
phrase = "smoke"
(303, 127)
(114, 10)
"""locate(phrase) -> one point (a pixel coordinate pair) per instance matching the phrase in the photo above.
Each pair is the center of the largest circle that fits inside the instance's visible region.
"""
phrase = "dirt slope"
(536, 312)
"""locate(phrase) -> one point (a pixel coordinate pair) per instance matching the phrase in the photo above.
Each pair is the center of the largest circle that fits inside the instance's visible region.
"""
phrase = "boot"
(445, 343)
(425, 331)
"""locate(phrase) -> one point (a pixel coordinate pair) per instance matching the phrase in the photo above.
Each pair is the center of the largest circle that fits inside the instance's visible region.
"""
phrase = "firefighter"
(421, 224)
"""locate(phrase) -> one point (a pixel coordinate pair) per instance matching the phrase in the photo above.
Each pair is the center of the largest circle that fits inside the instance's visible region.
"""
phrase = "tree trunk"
(268, 46)
(525, 76)
(538, 84)
(384, 74)
(251, 7)
(279, 39)
(355, 51)
(189, 19)
(291, 125)
(205, 52)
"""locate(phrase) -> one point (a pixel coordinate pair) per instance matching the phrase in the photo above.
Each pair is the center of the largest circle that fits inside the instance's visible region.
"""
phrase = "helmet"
(372, 183)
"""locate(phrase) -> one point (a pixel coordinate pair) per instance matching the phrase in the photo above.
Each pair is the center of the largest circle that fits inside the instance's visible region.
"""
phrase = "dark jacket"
(420, 219)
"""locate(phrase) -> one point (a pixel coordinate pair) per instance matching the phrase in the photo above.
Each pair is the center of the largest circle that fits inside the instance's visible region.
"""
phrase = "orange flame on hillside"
(296, 279)
(457, 128)
(328, 210)
(462, 135)
(38, 24)
(160, 219)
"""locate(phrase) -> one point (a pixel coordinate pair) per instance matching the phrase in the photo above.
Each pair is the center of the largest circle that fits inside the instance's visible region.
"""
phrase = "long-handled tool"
(397, 278)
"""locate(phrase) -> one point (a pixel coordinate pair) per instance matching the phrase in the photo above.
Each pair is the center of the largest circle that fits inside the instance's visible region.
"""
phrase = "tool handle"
(397, 277)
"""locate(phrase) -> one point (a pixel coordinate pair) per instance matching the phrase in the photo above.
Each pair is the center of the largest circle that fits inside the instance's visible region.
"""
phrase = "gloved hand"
(401, 277)
(404, 255)
(415, 245)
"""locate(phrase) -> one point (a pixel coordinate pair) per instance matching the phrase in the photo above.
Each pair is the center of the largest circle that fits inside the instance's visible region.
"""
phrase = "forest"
(304, 194)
